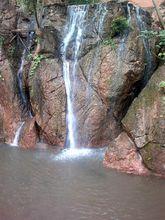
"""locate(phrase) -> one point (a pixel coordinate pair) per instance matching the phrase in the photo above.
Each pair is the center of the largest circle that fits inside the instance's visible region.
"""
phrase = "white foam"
(69, 154)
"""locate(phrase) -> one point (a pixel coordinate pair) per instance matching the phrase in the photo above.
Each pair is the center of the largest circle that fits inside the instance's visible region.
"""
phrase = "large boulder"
(48, 101)
(122, 155)
(145, 121)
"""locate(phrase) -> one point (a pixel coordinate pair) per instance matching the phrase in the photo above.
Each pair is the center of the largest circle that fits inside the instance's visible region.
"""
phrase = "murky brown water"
(38, 185)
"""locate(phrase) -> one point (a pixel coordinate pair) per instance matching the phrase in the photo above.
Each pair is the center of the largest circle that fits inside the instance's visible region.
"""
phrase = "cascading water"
(149, 57)
(20, 71)
(129, 12)
(73, 32)
(121, 47)
(17, 135)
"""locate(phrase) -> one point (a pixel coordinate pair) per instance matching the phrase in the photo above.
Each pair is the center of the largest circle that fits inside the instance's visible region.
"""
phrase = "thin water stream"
(40, 185)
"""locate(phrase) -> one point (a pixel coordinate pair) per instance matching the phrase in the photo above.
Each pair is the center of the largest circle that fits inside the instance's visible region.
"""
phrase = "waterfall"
(20, 70)
(100, 13)
(71, 48)
(17, 135)
(129, 12)
(73, 32)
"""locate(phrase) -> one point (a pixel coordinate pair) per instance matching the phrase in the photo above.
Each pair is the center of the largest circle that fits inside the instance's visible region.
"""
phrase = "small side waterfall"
(129, 12)
(17, 135)
(20, 70)
(149, 57)
(23, 98)
(73, 32)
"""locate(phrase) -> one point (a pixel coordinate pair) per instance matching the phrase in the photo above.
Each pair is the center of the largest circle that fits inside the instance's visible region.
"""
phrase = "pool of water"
(42, 185)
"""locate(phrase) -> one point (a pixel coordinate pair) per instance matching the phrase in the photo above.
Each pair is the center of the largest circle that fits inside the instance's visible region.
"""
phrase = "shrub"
(160, 37)
(27, 5)
(118, 26)
(162, 84)
(35, 63)
(109, 41)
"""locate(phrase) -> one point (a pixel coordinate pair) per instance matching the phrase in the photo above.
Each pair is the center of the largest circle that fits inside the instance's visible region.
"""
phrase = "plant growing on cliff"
(162, 84)
(118, 26)
(160, 38)
(109, 41)
(35, 63)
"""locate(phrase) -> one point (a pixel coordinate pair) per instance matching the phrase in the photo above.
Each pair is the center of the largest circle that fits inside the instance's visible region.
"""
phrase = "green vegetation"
(162, 88)
(28, 5)
(35, 63)
(118, 26)
(160, 37)
(109, 41)
(82, 2)
(162, 84)
(11, 50)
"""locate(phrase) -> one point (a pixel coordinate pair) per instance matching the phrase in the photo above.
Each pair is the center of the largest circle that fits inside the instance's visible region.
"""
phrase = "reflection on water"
(39, 185)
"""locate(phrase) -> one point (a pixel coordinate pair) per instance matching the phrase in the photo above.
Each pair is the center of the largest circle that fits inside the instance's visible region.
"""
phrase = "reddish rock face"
(28, 137)
(10, 112)
(145, 121)
(146, 3)
(48, 101)
(122, 155)
(107, 74)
